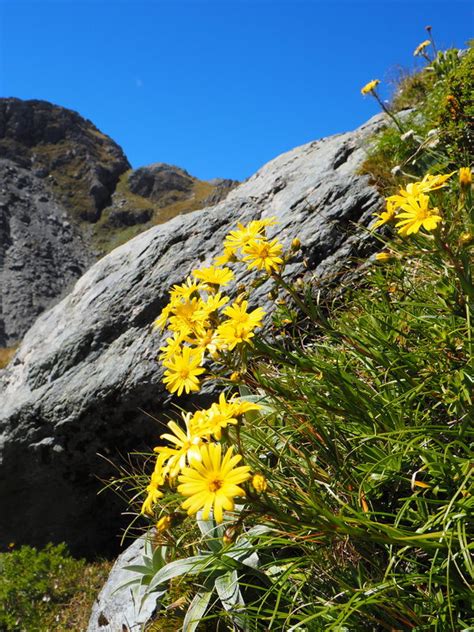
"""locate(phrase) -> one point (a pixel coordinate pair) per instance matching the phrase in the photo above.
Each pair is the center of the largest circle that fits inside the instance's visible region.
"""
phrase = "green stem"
(387, 111)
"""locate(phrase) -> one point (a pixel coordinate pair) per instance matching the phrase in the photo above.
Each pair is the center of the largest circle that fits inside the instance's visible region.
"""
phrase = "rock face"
(118, 608)
(41, 252)
(155, 180)
(82, 164)
(56, 170)
(86, 369)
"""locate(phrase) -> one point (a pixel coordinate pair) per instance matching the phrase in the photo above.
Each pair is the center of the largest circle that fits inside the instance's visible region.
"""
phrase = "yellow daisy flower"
(219, 416)
(186, 289)
(263, 254)
(421, 47)
(416, 215)
(386, 216)
(187, 316)
(228, 256)
(214, 275)
(213, 483)
(370, 87)
(182, 371)
(240, 237)
(185, 448)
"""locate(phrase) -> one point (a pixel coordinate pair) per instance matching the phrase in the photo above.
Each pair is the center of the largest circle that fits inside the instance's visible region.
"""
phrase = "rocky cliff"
(86, 370)
(67, 196)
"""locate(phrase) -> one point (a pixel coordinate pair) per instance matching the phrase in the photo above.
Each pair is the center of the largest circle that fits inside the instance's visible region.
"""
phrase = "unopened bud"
(229, 535)
(382, 257)
(235, 376)
(296, 244)
(466, 239)
(465, 176)
(259, 483)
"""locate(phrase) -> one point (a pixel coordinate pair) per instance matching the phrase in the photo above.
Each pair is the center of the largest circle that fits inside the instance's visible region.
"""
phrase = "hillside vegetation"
(330, 487)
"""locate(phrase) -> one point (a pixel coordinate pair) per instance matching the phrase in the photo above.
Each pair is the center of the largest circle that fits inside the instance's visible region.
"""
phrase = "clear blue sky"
(218, 87)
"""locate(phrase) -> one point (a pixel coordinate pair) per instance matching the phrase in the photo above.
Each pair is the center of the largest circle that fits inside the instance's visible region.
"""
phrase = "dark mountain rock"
(223, 186)
(158, 179)
(41, 252)
(83, 164)
(87, 368)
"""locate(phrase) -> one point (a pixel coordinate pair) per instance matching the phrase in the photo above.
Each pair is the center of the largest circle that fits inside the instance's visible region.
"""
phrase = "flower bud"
(259, 483)
(465, 176)
(235, 377)
(466, 239)
(229, 535)
(382, 257)
(296, 244)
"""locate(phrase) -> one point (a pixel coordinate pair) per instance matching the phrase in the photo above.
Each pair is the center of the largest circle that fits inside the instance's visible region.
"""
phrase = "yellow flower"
(414, 189)
(186, 289)
(164, 524)
(385, 216)
(228, 256)
(187, 316)
(211, 304)
(421, 47)
(182, 371)
(207, 340)
(162, 319)
(263, 254)
(185, 448)
(214, 275)
(370, 87)
(417, 215)
(259, 483)
(432, 183)
(153, 493)
(172, 346)
(244, 234)
(219, 416)
(239, 328)
(213, 483)
(465, 176)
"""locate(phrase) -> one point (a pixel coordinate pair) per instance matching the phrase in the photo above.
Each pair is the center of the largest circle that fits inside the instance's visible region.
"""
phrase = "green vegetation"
(354, 509)
(47, 589)
(440, 128)
(106, 237)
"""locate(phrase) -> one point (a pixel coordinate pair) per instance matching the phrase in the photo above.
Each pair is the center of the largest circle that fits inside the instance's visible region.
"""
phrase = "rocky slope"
(68, 195)
(85, 378)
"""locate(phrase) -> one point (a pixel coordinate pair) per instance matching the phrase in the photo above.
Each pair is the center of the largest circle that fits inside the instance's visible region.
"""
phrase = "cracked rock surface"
(86, 369)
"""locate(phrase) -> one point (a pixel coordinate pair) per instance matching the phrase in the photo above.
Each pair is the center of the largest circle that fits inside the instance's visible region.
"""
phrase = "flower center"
(184, 373)
(215, 485)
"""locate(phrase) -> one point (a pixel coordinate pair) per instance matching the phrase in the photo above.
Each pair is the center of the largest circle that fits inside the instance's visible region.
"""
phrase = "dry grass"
(6, 354)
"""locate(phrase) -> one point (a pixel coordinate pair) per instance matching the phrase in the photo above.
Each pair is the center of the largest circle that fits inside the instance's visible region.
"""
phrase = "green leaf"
(189, 566)
(196, 611)
(138, 568)
(211, 533)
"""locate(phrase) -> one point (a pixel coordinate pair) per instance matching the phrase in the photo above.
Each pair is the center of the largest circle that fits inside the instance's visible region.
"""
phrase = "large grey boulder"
(86, 369)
